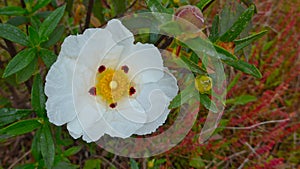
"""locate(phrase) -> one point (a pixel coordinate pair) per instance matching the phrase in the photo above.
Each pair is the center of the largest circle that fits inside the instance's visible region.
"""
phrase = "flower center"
(112, 85)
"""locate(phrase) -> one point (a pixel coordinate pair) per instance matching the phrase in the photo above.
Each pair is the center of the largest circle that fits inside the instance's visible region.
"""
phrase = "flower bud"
(192, 14)
(203, 84)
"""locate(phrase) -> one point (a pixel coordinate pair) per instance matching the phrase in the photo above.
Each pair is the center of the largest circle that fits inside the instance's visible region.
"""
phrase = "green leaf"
(20, 61)
(238, 26)
(119, 6)
(26, 166)
(54, 37)
(38, 97)
(40, 4)
(27, 72)
(4, 101)
(156, 6)
(197, 162)
(47, 56)
(47, 146)
(172, 28)
(241, 100)
(73, 150)
(51, 22)
(35, 22)
(244, 67)
(12, 10)
(214, 33)
(183, 97)
(92, 164)
(34, 37)
(241, 43)
(192, 66)
(205, 47)
(133, 164)
(224, 54)
(203, 3)
(65, 165)
(18, 20)
(9, 115)
(13, 34)
(35, 145)
(207, 103)
(20, 127)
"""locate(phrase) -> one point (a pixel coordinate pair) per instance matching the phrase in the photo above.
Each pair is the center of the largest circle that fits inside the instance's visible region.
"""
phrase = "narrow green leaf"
(224, 54)
(34, 37)
(133, 164)
(239, 25)
(92, 164)
(214, 33)
(35, 145)
(47, 146)
(20, 61)
(203, 3)
(119, 6)
(171, 27)
(40, 4)
(26, 166)
(156, 6)
(51, 22)
(73, 150)
(241, 43)
(12, 10)
(66, 165)
(20, 127)
(35, 22)
(38, 97)
(47, 56)
(241, 100)
(13, 34)
(18, 20)
(207, 103)
(183, 97)
(205, 47)
(98, 11)
(54, 37)
(192, 66)
(27, 72)
(9, 115)
(244, 67)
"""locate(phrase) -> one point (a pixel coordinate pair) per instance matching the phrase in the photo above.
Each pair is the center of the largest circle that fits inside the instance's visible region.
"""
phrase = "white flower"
(103, 83)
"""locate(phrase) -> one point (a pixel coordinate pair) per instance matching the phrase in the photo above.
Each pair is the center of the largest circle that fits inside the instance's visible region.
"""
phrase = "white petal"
(95, 49)
(151, 127)
(154, 101)
(121, 34)
(60, 106)
(73, 44)
(74, 128)
(88, 110)
(120, 126)
(131, 110)
(144, 61)
(155, 98)
(95, 132)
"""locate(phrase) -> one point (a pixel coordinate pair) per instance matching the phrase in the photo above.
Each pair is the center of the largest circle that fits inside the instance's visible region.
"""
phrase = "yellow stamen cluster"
(112, 85)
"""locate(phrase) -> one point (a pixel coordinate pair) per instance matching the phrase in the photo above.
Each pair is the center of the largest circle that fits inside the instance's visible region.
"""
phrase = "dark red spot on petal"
(113, 105)
(125, 68)
(101, 68)
(92, 91)
(132, 91)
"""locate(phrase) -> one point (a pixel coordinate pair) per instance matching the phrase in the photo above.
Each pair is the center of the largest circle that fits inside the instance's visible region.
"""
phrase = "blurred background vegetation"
(260, 126)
